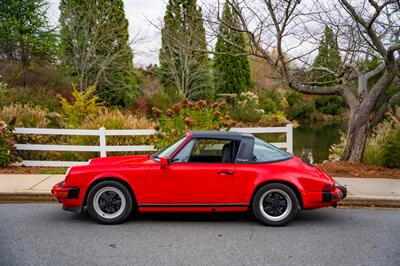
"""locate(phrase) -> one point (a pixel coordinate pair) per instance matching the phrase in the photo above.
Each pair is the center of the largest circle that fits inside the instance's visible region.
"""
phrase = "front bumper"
(338, 194)
(62, 192)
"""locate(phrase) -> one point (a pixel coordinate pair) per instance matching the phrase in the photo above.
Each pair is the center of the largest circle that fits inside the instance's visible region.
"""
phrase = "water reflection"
(311, 142)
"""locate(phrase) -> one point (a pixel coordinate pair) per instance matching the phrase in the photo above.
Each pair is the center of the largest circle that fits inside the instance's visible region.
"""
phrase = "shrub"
(246, 108)
(110, 119)
(8, 152)
(115, 119)
(297, 106)
(273, 120)
(186, 115)
(84, 105)
(331, 105)
(380, 144)
(373, 154)
(336, 150)
(35, 96)
(26, 115)
(3, 87)
(163, 99)
(391, 150)
(269, 101)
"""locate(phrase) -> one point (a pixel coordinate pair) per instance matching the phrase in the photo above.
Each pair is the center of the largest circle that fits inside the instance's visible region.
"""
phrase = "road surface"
(43, 234)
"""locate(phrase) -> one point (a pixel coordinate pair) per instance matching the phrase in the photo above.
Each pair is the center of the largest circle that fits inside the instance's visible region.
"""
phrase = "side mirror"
(164, 162)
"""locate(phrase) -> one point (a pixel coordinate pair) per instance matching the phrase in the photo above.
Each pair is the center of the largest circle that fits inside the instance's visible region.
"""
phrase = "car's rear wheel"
(275, 204)
(109, 202)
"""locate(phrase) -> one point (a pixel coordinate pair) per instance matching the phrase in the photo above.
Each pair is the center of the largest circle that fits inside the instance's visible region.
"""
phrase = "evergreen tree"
(184, 63)
(25, 36)
(95, 48)
(231, 67)
(328, 57)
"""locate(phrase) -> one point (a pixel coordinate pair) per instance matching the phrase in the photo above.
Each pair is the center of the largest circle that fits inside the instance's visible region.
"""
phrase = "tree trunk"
(357, 134)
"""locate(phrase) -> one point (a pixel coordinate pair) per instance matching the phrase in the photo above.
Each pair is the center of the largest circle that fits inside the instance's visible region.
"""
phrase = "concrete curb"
(370, 202)
(23, 197)
(364, 202)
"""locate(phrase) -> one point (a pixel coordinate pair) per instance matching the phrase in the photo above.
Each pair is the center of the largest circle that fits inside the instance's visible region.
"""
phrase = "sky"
(141, 14)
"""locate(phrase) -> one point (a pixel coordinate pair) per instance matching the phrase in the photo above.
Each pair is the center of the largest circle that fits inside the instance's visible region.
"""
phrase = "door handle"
(225, 172)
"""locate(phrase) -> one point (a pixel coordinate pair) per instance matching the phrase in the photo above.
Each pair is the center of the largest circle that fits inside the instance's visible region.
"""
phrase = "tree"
(25, 36)
(284, 25)
(231, 65)
(95, 48)
(184, 62)
(328, 57)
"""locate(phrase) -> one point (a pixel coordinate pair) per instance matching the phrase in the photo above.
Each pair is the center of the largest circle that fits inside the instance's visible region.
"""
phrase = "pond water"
(312, 140)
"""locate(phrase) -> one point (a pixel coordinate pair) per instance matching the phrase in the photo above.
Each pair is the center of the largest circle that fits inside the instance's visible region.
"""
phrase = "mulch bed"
(346, 169)
(26, 170)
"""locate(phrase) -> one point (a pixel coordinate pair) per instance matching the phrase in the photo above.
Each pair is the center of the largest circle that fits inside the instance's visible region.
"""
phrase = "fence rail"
(103, 148)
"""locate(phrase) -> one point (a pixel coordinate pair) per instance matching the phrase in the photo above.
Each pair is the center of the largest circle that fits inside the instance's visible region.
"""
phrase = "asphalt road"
(43, 234)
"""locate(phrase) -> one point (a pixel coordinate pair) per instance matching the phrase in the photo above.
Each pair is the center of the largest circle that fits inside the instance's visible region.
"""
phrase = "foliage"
(95, 48)
(174, 122)
(42, 97)
(391, 150)
(3, 87)
(272, 102)
(332, 105)
(25, 36)
(115, 119)
(328, 57)
(336, 150)
(184, 63)
(231, 66)
(298, 106)
(8, 152)
(273, 120)
(381, 148)
(246, 108)
(110, 119)
(84, 104)
(25, 115)
(164, 99)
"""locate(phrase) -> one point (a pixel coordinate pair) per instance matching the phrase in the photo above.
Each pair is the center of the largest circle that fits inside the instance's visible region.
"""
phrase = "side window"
(265, 152)
(213, 151)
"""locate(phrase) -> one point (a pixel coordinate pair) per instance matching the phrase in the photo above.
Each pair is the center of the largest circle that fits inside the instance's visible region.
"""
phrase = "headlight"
(90, 161)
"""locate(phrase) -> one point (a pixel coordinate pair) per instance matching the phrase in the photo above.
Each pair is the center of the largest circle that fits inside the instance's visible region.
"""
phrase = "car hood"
(130, 159)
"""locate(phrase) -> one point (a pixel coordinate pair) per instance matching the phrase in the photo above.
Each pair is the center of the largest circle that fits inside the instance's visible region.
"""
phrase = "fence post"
(289, 138)
(102, 136)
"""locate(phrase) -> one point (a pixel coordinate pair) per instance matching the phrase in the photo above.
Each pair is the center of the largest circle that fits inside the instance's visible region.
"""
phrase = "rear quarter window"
(265, 152)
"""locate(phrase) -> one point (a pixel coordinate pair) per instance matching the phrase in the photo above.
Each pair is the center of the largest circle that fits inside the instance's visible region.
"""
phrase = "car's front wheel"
(109, 202)
(275, 204)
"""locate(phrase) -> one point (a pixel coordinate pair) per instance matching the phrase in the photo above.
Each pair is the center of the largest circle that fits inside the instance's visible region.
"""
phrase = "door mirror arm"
(164, 162)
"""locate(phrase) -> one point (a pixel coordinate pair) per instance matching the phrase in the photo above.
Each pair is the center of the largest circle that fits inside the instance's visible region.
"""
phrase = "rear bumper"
(338, 194)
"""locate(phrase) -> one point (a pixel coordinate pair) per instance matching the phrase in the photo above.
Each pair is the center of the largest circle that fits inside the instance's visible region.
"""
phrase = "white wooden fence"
(103, 148)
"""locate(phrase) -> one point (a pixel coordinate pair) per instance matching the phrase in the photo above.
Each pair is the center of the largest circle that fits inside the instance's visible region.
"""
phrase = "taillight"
(328, 188)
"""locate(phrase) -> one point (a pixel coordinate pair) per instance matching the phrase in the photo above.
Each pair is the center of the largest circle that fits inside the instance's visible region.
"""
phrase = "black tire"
(109, 202)
(269, 204)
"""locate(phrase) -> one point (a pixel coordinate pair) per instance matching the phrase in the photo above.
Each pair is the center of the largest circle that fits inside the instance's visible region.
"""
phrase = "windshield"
(265, 152)
(170, 149)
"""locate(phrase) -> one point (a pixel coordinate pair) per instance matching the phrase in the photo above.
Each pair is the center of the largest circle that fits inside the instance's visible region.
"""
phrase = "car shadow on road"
(326, 217)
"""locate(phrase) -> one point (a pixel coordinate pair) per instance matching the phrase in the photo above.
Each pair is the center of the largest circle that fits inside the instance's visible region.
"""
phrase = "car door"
(200, 173)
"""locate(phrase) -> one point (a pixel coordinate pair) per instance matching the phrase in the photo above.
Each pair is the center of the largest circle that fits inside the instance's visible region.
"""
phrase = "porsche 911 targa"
(204, 171)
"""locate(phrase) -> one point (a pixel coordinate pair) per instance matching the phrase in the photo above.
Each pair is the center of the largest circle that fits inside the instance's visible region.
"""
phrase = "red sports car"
(205, 171)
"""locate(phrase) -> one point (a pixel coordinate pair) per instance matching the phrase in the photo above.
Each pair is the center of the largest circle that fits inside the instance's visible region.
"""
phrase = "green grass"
(53, 171)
